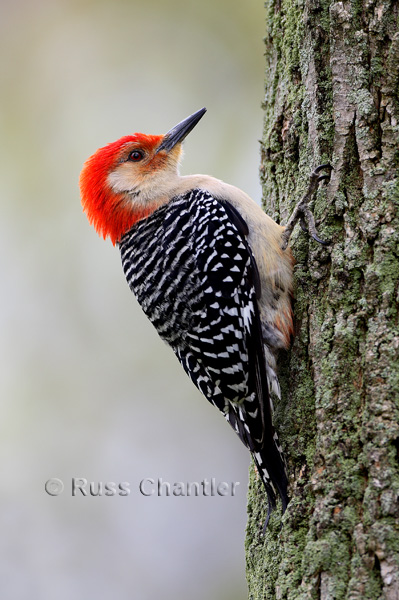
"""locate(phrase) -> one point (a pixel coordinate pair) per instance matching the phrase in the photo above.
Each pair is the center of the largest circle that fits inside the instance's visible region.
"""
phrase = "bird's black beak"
(180, 131)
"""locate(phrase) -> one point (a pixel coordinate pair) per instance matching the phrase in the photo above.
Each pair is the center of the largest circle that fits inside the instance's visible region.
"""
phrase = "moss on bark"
(332, 94)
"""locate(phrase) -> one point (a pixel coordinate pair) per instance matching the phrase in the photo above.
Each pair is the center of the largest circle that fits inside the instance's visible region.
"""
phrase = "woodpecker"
(211, 271)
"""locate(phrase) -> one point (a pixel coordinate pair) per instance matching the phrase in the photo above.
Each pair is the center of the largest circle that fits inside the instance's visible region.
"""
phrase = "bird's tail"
(268, 457)
(271, 468)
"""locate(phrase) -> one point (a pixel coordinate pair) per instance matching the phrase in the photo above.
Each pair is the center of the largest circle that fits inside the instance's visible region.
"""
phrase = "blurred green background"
(87, 387)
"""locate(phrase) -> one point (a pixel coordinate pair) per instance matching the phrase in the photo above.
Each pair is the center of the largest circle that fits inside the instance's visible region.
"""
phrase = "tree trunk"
(332, 95)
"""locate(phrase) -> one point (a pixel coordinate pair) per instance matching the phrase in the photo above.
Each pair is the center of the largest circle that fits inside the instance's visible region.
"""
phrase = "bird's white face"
(143, 174)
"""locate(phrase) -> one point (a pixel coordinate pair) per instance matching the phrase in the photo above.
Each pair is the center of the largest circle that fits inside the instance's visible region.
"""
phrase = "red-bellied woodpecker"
(210, 270)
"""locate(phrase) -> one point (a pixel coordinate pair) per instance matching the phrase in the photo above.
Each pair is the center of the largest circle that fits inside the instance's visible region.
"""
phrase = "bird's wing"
(223, 353)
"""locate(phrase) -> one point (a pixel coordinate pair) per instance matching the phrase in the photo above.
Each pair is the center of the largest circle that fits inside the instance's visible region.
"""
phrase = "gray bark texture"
(332, 95)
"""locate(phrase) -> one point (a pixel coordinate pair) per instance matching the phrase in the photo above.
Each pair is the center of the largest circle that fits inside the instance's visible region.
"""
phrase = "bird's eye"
(136, 155)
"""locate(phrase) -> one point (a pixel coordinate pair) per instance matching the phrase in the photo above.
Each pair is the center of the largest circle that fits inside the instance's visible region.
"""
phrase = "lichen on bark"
(332, 94)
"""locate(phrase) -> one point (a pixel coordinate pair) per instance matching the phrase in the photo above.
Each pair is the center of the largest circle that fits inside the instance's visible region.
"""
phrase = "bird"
(211, 271)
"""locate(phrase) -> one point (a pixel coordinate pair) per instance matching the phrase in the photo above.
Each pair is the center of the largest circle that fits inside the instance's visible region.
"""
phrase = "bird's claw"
(302, 212)
(311, 229)
(323, 178)
(322, 167)
(319, 240)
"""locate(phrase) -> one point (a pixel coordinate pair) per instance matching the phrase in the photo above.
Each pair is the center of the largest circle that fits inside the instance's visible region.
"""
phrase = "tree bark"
(332, 95)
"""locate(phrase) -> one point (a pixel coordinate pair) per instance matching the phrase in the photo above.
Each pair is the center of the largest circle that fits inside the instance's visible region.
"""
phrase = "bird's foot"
(302, 212)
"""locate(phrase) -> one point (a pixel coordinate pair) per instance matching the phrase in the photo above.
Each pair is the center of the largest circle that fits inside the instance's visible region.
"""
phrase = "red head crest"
(110, 211)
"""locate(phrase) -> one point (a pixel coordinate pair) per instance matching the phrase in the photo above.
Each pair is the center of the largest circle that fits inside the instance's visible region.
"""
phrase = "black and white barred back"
(195, 277)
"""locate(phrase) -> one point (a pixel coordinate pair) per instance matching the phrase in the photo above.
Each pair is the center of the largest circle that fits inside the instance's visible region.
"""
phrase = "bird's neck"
(143, 199)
